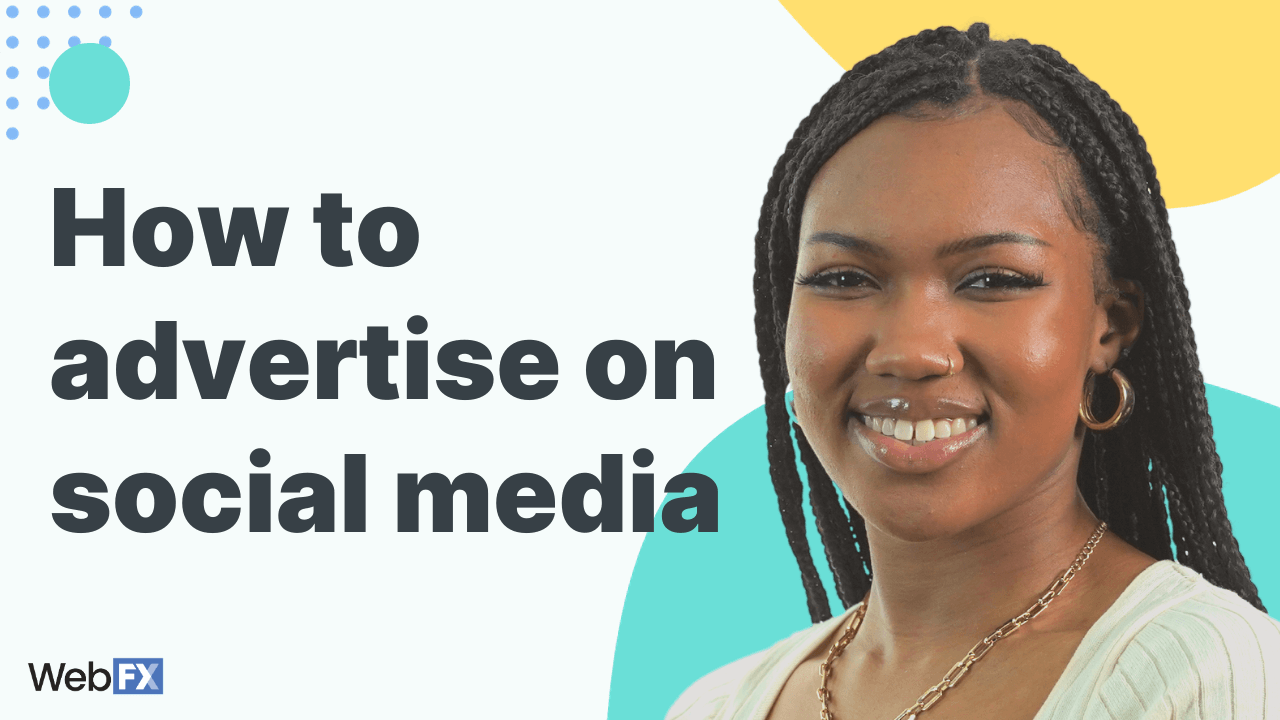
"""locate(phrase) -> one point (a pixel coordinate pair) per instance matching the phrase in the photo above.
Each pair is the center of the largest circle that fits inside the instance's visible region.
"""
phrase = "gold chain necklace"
(957, 671)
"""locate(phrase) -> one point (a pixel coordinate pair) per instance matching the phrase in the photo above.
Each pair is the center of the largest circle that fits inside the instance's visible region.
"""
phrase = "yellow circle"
(1198, 79)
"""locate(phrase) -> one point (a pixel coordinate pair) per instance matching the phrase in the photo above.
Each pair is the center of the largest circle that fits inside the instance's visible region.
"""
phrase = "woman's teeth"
(920, 432)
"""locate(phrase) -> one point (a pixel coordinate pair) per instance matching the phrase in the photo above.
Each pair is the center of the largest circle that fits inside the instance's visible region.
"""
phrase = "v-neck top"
(1173, 646)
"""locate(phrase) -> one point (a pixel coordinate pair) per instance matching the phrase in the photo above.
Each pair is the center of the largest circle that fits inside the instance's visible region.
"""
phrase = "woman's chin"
(918, 530)
(918, 517)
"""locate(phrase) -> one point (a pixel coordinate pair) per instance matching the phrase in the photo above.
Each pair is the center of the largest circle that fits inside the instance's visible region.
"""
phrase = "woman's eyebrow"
(981, 241)
(868, 247)
(849, 242)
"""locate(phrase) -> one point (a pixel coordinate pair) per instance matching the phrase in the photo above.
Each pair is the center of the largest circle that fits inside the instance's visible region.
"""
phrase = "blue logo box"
(137, 676)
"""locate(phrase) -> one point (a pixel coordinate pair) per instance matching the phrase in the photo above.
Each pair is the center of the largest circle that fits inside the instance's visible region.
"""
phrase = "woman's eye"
(997, 279)
(840, 279)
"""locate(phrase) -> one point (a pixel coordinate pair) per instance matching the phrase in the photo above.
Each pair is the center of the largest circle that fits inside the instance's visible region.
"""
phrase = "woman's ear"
(1124, 307)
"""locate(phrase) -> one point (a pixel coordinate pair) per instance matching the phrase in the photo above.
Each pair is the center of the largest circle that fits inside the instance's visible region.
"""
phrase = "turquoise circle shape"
(701, 600)
(89, 83)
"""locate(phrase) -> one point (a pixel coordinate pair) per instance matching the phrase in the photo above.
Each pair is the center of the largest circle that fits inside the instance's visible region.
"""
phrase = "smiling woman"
(962, 242)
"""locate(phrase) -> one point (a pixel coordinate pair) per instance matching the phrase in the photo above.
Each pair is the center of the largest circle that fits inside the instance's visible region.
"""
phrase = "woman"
(961, 242)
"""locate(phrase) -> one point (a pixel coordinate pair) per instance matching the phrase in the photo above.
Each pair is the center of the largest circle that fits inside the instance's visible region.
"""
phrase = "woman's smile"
(916, 435)
(894, 447)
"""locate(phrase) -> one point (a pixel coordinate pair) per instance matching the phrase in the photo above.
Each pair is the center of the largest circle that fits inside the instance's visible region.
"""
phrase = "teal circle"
(89, 83)
(701, 600)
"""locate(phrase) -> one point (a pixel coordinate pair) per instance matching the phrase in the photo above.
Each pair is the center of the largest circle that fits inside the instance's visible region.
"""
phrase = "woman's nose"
(913, 341)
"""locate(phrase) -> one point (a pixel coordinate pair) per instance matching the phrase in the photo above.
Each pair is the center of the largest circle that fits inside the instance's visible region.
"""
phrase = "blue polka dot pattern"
(74, 11)
(73, 41)
(12, 11)
(12, 42)
(11, 133)
(12, 72)
(104, 41)
(11, 103)
(43, 103)
(43, 11)
(43, 73)
(104, 11)
(43, 41)
(135, 11)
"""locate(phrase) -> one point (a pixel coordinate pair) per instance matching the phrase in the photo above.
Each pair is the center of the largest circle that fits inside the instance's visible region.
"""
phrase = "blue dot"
(43, 73)
(12, 11)
(12, 42)
(74, 11)
(43, 11)
(73, 41)
(104, 11)
(43, 41)
(11, 103)
(11, 133)
(12, 72)
(104, 41)
(135, 11)
(43, 103)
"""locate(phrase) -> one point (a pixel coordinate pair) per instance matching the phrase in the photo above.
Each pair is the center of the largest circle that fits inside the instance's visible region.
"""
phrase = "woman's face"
(943, 321)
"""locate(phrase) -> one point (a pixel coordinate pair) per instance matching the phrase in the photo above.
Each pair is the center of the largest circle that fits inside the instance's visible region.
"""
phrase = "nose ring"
(951, 367)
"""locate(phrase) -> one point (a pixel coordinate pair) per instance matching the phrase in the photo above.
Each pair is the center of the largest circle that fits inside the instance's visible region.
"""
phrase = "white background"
(579, 172)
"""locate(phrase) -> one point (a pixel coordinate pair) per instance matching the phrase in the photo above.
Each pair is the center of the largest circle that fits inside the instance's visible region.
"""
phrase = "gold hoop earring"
(1122, 411)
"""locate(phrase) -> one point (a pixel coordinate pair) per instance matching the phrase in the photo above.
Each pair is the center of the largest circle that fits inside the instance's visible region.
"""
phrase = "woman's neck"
(931, 596)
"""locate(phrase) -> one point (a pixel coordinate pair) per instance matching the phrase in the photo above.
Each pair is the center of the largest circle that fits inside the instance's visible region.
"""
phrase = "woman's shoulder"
(706, 698)
(1204, 652)
(1181, 647)
(750, 681)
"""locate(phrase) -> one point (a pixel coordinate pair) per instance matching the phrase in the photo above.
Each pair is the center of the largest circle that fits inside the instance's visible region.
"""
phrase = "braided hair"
(1165, 456)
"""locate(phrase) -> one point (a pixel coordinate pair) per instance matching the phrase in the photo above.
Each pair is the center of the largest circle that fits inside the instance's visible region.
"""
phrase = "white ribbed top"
(1172, 646)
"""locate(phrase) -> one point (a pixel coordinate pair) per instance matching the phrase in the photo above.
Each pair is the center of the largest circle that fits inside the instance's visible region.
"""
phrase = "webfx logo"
(138, 676)
(132, 676)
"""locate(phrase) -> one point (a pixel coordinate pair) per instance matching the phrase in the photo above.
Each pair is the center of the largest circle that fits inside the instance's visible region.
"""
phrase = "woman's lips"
(916, 446)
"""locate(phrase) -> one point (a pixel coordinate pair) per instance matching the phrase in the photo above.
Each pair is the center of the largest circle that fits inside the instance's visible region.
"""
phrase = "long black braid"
(1165, 454)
